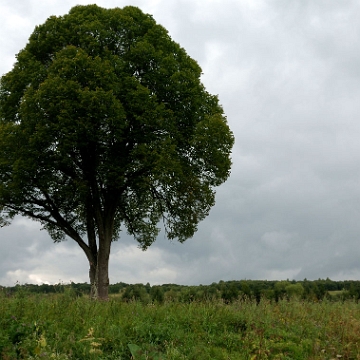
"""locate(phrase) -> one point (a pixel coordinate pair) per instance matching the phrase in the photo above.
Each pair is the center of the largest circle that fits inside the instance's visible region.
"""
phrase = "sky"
(288, 77)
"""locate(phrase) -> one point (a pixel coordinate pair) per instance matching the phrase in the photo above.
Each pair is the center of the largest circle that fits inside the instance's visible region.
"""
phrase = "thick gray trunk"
(99, 267)
(102, 273)
(103, 280)
(99, 280)
(93, 281)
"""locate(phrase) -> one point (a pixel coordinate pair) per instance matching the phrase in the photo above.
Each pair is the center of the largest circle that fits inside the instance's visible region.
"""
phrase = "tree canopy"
(105, 125)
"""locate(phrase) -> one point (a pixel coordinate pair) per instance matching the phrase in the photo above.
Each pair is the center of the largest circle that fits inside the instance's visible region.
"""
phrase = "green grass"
(64, 327)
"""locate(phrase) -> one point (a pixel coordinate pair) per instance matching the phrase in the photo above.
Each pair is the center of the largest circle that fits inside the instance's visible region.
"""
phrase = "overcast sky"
(288, 76)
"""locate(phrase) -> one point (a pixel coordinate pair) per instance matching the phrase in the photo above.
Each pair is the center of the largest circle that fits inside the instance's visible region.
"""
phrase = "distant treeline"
(228, 291)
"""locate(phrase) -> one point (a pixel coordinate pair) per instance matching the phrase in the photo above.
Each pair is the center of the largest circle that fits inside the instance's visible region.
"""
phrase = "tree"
(280, 289)
(104, 126)
(230, 292)
(294, 291)
(157, 294)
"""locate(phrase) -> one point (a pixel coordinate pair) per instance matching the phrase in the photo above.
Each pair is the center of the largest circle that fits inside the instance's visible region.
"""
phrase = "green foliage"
(157, 294)
(230, 293)
(102, 103)
(136, 293)
(294, 291)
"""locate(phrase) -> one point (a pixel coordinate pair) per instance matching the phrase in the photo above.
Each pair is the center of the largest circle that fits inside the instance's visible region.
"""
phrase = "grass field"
(62, 326)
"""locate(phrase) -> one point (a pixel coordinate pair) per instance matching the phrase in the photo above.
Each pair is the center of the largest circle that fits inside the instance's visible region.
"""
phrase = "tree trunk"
(93, 251)
(93, 281)
(103, 269)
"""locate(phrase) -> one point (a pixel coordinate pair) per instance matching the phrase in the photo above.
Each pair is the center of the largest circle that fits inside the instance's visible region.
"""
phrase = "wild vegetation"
(175, 322)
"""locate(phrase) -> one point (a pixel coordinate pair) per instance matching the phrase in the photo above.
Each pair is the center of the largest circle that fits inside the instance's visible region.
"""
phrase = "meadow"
(64, 326)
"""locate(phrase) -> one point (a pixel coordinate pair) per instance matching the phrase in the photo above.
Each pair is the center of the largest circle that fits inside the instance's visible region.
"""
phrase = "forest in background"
(228, 291)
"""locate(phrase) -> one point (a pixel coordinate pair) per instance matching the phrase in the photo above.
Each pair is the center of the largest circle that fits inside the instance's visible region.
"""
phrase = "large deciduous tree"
(106, 125)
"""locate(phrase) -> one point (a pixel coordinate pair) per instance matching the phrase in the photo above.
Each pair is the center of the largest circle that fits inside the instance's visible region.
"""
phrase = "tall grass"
(62, 326)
